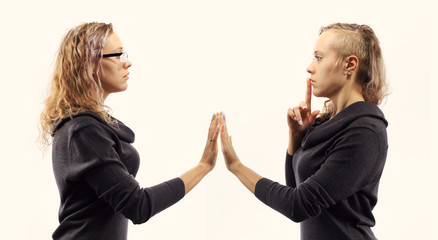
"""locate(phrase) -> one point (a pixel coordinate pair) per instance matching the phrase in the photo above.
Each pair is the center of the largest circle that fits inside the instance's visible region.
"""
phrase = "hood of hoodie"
(320, 133)
(121, 130)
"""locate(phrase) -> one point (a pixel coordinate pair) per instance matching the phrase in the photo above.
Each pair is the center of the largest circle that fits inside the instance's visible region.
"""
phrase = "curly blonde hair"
(75, 84)
(361, 41)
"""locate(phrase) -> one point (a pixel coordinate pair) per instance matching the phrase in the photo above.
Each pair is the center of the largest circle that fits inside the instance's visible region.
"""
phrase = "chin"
(316, 93)
(119, 90)
(124, 87)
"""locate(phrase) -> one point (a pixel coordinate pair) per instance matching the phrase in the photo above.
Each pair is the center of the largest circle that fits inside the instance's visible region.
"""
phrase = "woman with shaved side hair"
(93, 158)
(334, 161)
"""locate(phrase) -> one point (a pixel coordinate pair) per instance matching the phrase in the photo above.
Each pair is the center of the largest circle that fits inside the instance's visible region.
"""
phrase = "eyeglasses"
(123, 56)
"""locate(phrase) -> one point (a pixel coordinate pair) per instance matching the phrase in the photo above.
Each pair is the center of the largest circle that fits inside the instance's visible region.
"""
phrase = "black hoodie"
(94, 165)
(333, 177)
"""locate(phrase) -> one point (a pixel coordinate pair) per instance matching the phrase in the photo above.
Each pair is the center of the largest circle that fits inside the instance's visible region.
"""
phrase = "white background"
(193, 58)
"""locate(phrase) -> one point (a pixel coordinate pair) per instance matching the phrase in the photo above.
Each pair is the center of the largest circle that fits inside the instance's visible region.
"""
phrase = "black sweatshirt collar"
(327, 129)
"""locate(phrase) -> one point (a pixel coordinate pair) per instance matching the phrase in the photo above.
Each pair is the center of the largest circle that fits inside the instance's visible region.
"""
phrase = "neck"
(347, 96)
(105, 95)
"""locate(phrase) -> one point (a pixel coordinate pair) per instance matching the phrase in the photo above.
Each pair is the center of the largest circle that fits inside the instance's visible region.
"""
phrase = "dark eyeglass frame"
(116, 55)
(112, 55)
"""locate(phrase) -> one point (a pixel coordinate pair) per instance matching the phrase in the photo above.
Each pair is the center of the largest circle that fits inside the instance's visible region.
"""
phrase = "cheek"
(327, 73)
(109, 73)
(324, 69)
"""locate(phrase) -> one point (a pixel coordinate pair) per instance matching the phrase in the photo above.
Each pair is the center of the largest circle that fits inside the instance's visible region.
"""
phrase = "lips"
(126, 76)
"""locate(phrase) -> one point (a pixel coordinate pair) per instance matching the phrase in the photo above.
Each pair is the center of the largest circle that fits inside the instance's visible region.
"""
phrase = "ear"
(351, 64)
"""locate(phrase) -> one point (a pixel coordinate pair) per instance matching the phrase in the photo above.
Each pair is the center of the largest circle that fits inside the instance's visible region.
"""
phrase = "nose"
(310, 69)
(127, 64)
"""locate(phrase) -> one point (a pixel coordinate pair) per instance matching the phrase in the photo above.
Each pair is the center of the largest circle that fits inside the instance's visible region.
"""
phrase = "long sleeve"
(354, 161)
(289, 173)
(95, 157)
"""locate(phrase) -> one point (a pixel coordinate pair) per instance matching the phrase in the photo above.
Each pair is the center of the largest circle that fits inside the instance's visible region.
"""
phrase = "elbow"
(137, 218)
(303, 212)
(300, 211)
(296, 217)
(138, 209)
(138, 221)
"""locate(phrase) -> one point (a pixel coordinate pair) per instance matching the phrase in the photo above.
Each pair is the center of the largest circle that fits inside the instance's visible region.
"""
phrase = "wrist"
(293, 135)
(235, 166)
(205, 167)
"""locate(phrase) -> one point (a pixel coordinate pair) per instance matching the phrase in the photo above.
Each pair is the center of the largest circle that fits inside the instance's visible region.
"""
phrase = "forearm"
(193, 176)
(298, 204)
(289, 173)
(294, 142)
(247, 176)
(113, 184)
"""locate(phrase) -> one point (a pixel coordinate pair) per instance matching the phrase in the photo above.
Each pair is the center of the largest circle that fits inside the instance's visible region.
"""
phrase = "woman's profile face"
(115, 73)
(326, 80)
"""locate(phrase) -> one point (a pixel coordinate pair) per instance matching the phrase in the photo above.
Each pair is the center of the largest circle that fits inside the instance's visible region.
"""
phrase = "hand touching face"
(301, 117)
(326, 77)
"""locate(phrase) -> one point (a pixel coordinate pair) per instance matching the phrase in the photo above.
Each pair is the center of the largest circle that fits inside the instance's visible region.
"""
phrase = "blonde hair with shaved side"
(362, 42)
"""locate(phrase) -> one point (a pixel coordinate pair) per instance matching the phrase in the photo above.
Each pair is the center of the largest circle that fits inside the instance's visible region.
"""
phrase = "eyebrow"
(318, 52)
(119, 48)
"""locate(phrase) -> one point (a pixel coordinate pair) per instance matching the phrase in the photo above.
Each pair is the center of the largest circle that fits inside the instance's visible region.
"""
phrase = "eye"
(318, 58)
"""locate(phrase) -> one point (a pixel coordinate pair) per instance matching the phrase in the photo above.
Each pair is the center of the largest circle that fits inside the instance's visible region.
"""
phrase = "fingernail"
(222, 117)
(295, 118)
(300, 122)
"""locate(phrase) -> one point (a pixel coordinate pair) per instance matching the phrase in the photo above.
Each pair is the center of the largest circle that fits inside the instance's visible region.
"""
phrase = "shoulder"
(368, 123)
(366, 115)
(83, 125)
(88, 138)
(368, 132)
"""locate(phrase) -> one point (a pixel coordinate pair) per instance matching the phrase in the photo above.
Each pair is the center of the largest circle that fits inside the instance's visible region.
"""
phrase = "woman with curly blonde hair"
(334, 162)
(94, 161)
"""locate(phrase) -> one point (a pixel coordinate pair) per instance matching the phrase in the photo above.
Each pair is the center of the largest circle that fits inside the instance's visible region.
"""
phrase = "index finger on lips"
(308, 93)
